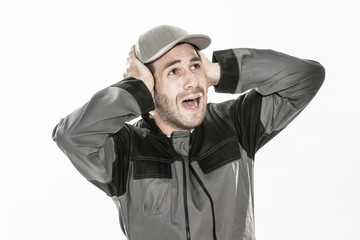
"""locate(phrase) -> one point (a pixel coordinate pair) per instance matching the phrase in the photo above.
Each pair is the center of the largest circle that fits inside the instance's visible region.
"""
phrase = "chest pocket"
(154, 179)
(156, 198)
(152, 172)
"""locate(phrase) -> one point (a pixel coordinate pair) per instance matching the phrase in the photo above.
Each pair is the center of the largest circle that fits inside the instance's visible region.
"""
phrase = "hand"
(136, 69)
(212, 70)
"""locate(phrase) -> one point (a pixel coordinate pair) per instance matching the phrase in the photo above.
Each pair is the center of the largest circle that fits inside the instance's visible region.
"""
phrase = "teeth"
(192, 99)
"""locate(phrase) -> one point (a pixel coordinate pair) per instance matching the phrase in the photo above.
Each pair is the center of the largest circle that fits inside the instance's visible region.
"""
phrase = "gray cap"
(157, 41)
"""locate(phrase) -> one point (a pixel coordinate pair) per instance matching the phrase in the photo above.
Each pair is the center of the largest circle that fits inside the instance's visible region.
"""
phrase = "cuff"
(230, 71)
(139, 91)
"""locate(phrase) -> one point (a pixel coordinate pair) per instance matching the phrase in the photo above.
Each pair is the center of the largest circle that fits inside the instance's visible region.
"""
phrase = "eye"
(174, 71)
(195, 66)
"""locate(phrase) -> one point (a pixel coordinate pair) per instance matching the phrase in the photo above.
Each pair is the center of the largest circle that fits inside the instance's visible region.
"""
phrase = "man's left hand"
(212, 70)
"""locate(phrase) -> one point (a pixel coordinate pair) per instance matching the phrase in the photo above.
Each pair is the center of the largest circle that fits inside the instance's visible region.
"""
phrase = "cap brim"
(199, 40)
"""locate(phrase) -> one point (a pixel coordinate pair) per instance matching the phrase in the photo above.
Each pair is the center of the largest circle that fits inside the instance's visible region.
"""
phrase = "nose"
(190, 80)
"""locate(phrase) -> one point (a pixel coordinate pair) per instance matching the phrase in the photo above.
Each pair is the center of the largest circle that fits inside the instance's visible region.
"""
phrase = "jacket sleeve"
(85, 135)
(277, 86)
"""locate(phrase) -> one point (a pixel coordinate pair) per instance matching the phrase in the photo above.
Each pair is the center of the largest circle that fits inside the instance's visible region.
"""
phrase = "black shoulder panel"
(214, 142)
(245, 114)
(123, 151)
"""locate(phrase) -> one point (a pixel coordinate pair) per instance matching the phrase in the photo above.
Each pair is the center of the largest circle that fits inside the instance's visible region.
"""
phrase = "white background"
(54, 55)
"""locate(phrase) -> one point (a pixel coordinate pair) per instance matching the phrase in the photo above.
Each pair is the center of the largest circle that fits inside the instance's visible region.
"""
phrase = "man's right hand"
(136, 69)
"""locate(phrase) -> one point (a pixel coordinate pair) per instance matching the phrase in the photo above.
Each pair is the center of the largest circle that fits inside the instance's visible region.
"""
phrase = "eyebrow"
(169, 64)
(195, 59)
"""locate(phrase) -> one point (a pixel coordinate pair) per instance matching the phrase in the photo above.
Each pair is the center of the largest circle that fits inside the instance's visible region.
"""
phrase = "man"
(185, 170)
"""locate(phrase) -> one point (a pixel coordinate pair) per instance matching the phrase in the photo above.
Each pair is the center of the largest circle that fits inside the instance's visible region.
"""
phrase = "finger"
(131, 49)
(203, 57)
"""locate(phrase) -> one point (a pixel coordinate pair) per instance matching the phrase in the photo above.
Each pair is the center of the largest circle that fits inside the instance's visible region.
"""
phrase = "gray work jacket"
(196, 185)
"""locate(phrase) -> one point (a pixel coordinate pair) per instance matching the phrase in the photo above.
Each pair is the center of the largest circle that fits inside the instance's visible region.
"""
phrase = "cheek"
(168, 90)
(169, 87)
(201, 76)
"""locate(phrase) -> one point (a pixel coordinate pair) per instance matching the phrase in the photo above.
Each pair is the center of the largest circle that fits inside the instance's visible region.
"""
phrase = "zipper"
(185, 202)
(187, 225)
(209, 196)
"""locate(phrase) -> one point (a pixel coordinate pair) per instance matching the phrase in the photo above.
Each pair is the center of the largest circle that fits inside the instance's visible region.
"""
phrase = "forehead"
(182, 52)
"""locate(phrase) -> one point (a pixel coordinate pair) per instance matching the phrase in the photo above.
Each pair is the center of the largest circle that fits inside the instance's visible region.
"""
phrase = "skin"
(181, 74)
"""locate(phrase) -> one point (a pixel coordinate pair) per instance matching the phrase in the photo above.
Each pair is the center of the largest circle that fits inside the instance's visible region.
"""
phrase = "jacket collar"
(150, 123)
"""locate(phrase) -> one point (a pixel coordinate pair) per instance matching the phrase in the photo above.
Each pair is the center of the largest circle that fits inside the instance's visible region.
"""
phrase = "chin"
(194, 121)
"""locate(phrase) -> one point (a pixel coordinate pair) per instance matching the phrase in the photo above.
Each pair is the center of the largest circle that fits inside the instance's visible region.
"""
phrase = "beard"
(168, 111)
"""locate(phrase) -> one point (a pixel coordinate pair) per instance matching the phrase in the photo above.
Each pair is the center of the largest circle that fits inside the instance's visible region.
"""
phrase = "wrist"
(214, 74)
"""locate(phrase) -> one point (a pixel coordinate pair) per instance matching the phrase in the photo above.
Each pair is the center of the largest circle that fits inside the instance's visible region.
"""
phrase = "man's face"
(181, 88)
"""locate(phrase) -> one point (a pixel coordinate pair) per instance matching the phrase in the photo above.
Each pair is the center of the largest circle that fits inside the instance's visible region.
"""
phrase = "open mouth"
(192, 103)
